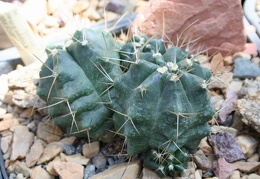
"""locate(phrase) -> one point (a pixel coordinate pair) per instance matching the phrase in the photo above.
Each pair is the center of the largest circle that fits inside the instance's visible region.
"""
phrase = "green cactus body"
(162, 103)
(79, 95)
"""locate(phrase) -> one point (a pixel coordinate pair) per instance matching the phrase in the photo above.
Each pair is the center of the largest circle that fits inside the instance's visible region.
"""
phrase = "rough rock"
(40, 173)
(247, 167)
(68, 140)
(225, 146)
(69, 149)
(249, 105)
(205, 147)
(89, 171)
(248, 144)
(99, 160)
(124, 170)
(149, 174)
(235, 175)
(80, 6)
(50, 152)
(19, 167)
(217, 101)
(76, 158)
(6, 124)
(228, 105)
(4, 86)
(253, 176)
(217, 24)
(35, 152)
(230, 130)
(223, 169)
(49, 132)
(22, 141)
(201, 160)
(68, 170)
(6, 142)
(90, 149)
(50, 167)
(221, 81)
(244, 68)
(254, 158)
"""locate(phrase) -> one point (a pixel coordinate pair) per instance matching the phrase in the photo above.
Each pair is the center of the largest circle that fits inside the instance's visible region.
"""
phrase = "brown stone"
(68, 170)
(248, 144)
(49, 132)
(5, 142)
(40, 173)
(90, 149)
(124, 170)
(51, 151)
(247, 167)
(76, 158)
(6, 124)
(20, 167)
(50, 167)
(218, 24)
(35, 152)
(22, 141)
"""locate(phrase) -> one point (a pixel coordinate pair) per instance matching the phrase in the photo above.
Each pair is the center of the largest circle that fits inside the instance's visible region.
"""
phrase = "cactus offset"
(162, 103)
(80, 88)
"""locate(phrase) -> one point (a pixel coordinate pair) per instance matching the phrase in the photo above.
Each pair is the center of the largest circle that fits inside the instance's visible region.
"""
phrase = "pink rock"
(251, 49)
(223, 169)
(217, 24)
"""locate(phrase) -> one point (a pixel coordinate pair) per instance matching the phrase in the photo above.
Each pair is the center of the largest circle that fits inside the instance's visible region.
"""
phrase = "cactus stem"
(128, 119)
(142, 89)
(161, 169)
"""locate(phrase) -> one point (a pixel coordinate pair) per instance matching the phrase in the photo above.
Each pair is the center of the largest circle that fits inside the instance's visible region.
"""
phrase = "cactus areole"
(159, 100)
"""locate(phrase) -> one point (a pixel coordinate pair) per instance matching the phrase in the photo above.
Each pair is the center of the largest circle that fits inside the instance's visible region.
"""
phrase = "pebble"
(223, 169)
(69, 149)
(248, 144)
(22, 141)
(27, 113)
(50, 167)
(201, 160)
(241, 55)
(76, 158)
(80, 6)
(49, 132)
(124, 170)
(235, 175)
(8, 123)
(90, 149)
(116, 6)
(36, 151)
(39, 173)
(6, 142)
(99, 160)
(247, 167)
(205, 147)
(50, 152)
(110, 161)
(225, 146)
(253, 158)
(4, 86)
(253, 176)
(69, 170)
(19, 167)
(149, 174)
(244, 68)
(230, 130)
(221, 81)
(89, 171)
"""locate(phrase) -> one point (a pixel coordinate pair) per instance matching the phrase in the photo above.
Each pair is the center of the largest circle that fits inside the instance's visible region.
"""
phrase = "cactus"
(161, 103)
(77, 83)
(156, 97)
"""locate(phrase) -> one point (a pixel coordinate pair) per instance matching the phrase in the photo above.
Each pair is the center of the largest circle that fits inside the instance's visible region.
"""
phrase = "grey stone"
(225, 146)
(244, 68)
(110, 161)
(69, 149)
(89, 171)
(99, 160)
(116, 6)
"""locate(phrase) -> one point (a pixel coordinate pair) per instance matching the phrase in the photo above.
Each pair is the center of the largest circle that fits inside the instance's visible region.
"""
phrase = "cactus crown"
(157, 97)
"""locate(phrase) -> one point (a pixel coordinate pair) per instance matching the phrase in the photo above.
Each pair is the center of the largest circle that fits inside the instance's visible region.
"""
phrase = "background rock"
(218, 24)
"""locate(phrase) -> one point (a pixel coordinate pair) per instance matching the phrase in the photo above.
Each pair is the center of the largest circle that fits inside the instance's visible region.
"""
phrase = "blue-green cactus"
(155, 96)
(162, 102)
(80, 88)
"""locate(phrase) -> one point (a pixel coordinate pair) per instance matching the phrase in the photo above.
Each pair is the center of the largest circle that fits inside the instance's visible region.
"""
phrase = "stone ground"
(33, 147)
